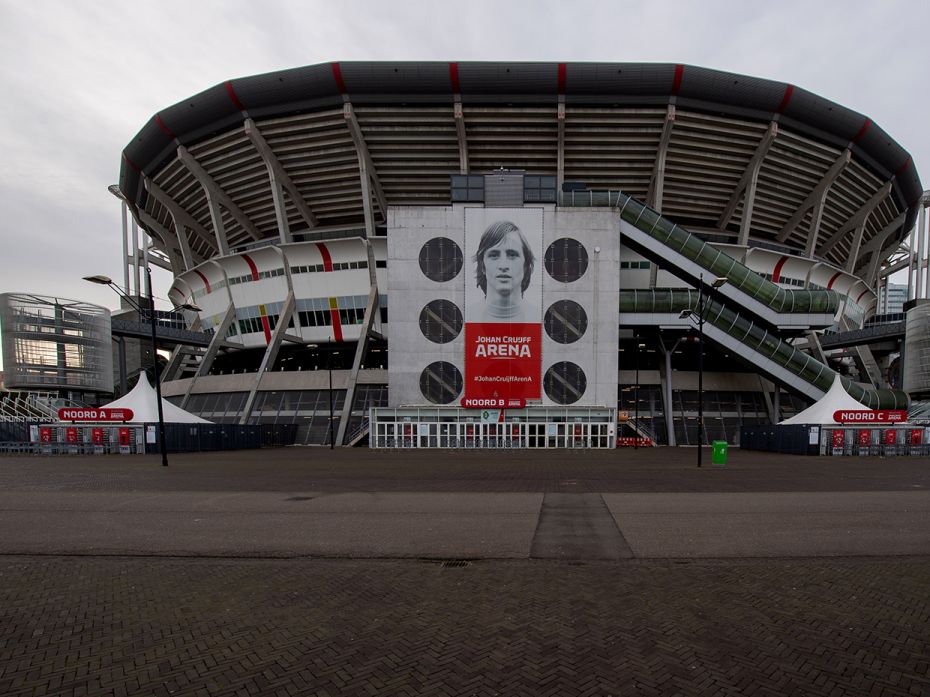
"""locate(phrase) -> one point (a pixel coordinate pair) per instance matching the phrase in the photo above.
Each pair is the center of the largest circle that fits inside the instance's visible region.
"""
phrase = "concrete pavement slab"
(773, 524)
(263, 524)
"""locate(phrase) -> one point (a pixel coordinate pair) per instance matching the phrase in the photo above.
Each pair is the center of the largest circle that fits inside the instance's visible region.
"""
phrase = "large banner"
(503, 303)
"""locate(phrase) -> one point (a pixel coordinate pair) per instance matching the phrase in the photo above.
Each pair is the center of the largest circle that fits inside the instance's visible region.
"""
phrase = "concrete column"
(921, 252)
(135, 291)
(125, 246)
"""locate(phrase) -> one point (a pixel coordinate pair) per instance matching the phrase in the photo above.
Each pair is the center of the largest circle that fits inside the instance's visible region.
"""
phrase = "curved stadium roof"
(707, 130)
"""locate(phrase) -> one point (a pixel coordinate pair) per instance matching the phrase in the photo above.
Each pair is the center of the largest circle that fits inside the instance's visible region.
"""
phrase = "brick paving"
(128, 626)
(361, 469)
(110, 625)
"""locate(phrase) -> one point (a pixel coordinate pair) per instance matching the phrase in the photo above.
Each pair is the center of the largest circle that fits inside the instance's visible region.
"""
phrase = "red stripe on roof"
(232, 96)
(562, 73)
(679, 72)
(252, 267)
(204, 279)
(327, 259)
(900, 170)
(833, 279)
(776, 274)
(862, 131)
(131, 163)
(789, 92)
(861, 294)
(164, 129)
(454, 78)
(337, 76)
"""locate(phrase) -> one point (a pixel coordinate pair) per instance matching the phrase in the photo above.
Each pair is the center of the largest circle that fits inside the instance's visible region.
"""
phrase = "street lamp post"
(701, 436)
(636, 399)
(329, 368)
(107, 281)
(716, 283)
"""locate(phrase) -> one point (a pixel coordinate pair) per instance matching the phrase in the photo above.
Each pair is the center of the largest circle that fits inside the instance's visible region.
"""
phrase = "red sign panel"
(124, 437)
(891, 437)
(88, 414)
(869, 416)
(71, 435)
(492, 403)
(838, 438)
(864, 437)
(503, 361)
(96, 435)
(45, 434)
(916, 436)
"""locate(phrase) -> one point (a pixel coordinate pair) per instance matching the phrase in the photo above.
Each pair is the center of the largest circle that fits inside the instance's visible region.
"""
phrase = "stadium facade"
(336, 225)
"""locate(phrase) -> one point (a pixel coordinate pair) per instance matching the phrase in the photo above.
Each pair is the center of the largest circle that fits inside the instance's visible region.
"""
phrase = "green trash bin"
(719, 456)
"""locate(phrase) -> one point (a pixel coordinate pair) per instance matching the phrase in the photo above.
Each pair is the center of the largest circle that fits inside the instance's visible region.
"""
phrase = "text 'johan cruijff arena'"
(512, 254)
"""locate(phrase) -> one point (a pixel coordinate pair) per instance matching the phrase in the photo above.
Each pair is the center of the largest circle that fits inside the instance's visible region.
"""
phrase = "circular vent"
(565, 383)
(441, 321)
(441, 259)
(566, 321)
(441, 382)
(566, 260)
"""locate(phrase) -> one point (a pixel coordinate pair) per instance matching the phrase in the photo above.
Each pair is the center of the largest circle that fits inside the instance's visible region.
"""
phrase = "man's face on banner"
(503, 266)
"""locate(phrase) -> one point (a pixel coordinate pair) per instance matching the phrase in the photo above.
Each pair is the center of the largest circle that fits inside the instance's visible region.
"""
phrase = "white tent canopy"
(143, 402)
(821, 411)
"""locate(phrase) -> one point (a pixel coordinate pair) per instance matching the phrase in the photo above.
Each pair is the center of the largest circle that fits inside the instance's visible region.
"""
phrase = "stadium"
(332, 224)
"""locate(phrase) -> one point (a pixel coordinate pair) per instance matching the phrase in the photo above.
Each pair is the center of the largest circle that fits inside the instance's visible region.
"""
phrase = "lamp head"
(99, 279)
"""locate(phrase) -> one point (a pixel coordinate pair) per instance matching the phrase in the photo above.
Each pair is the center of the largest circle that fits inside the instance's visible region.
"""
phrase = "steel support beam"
(179, 264)
(182, 219)
(271, 353)
(857, 219)
(172, 370)
(366, 164)
(371, 309)
(460, 132)
(216, 197)
(816, 350)
(657, 180)
(219, 338)
(747, 185)
(280, 182)
(873, 248)
(560, 154)
(818, 193)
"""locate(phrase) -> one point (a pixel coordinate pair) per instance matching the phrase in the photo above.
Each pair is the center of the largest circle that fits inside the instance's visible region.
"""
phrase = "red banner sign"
(71, 435)
(87, 414)
(869, 416)
(45, 434)
(838, 438)
(97, 436)
(492, 403)
(503, 361)
(865, 436)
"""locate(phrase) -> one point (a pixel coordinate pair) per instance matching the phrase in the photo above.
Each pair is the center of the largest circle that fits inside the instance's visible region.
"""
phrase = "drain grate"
(454, 563)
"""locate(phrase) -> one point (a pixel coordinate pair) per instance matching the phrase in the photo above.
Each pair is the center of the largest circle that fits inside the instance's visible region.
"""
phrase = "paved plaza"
(318, 572)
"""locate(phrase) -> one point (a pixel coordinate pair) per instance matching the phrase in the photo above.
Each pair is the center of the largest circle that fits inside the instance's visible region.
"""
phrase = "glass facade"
(55, 344)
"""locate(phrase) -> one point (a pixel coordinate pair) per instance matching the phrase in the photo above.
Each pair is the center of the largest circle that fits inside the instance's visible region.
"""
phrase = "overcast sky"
(78, 79)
